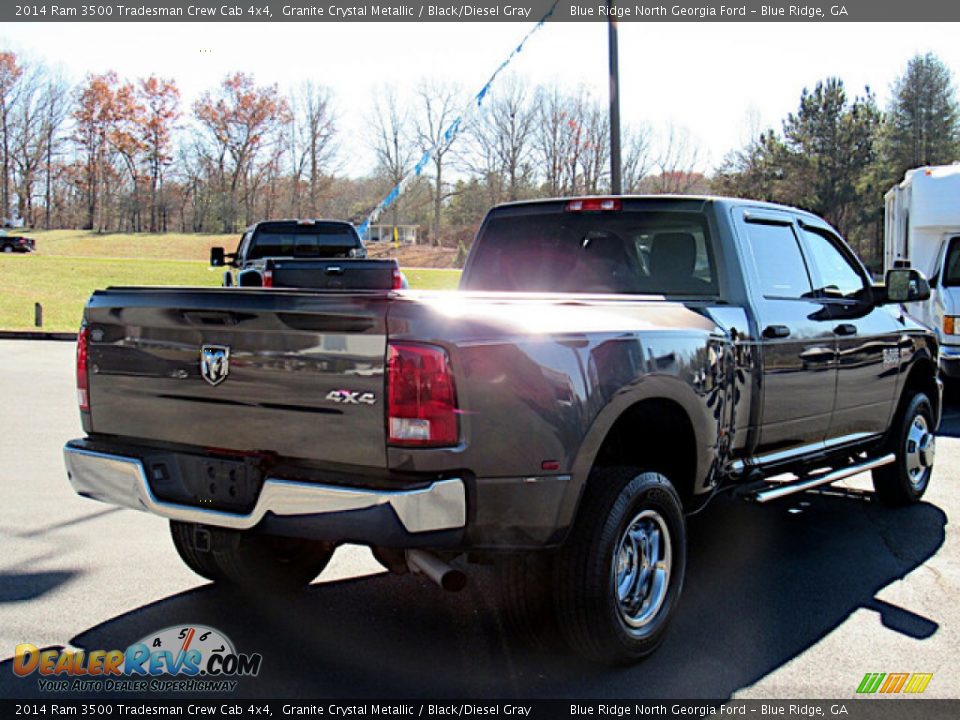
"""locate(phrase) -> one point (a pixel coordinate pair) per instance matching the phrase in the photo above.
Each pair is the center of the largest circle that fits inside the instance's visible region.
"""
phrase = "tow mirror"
(906, 285)
(217, 257)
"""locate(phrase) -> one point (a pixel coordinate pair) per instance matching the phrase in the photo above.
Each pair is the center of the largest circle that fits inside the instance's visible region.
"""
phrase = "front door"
(797, 343)
(868, 337)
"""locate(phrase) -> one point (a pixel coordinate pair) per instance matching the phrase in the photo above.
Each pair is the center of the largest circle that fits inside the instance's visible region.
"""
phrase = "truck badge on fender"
(349, 397)
(214, 363)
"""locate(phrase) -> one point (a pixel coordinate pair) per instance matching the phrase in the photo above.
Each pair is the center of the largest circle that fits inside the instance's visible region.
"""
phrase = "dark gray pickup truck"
(315, 254)
(607, 366)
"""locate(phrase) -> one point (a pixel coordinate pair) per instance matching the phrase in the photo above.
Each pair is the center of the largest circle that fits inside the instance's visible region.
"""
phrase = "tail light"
(83, 380)
(421, 397)
(397, 279)
(594, 204)
(268, 278)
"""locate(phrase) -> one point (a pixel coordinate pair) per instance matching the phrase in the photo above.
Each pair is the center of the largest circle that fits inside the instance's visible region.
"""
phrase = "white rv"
(922, 230)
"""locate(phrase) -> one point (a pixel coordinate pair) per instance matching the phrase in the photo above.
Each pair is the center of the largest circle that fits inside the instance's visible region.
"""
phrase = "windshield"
(662, 253)
(951, 268)
(318, 241)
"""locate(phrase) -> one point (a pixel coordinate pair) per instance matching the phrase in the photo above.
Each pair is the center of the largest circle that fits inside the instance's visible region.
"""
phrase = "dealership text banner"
(490, 11)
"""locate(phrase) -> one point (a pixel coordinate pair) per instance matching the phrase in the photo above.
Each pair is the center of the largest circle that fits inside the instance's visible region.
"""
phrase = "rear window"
(661, 253)
(320, 241)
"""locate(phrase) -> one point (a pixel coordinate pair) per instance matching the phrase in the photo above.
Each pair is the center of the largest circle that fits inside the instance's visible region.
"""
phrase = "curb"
(36, 335)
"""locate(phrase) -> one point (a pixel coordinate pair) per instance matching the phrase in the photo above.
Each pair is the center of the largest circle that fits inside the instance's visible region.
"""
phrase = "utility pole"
(615, 184)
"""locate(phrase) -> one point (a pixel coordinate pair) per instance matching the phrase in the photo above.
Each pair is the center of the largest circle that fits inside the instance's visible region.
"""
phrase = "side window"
(837, 274)
(780, 265)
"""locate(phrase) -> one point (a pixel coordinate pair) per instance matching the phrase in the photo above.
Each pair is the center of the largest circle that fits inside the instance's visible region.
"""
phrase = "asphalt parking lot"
(794, 600)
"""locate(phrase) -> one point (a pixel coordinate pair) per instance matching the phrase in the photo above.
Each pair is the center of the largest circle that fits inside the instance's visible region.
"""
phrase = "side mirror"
(217, 257)
(906, 285)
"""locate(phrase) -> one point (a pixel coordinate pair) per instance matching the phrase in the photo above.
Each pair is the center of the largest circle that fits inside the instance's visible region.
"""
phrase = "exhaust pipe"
(441, 573)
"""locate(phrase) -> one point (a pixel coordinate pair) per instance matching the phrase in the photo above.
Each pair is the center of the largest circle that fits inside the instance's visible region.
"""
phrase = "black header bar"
(333, 11)
(366, 709)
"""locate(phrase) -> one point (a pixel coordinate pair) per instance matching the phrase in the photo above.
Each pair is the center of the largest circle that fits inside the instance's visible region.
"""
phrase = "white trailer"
(922, 230)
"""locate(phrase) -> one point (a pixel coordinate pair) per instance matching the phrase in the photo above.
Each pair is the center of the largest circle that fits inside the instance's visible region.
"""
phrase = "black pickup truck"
(607, 366)
(316, 254)
(16, 243)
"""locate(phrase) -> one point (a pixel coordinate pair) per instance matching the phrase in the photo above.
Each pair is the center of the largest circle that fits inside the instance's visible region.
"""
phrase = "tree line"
(120, 154)
(837, 155)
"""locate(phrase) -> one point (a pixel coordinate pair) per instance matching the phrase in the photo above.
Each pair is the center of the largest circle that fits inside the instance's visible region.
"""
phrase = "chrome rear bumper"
(120, 480)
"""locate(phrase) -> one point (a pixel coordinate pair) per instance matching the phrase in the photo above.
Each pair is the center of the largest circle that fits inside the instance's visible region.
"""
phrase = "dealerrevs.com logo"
(894, 683)
(183, 658)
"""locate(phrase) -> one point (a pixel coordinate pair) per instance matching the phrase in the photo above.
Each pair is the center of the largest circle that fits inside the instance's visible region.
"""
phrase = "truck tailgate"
(299, 374)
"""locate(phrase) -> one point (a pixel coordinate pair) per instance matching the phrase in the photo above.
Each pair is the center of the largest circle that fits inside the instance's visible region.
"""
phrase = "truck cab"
(922, 231)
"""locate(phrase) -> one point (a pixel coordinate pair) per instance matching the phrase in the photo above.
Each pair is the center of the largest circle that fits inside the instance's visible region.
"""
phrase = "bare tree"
(56, 109)
(677, 161)
(435, 134)
(638, 159)
(10, 74)
(392, 145)
(314, 149)
(594, 156)
(27, 138)
(550, 137)
(501, 141)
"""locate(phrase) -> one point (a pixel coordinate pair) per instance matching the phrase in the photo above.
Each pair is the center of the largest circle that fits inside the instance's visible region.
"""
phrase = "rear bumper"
(329, 512)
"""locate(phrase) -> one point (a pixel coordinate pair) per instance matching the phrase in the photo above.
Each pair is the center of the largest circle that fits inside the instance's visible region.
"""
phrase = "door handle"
(773, 332)
(845, 329)
(334, 270)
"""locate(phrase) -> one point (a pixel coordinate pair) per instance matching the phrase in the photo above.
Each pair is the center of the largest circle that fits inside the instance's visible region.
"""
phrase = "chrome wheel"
(919, 450)
(641, 569)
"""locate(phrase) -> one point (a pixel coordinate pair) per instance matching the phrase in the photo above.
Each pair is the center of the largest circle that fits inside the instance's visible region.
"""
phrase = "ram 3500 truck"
(315, 254)
(606, 367)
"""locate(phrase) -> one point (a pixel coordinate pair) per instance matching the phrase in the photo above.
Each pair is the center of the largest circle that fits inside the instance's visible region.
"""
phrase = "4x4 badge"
(214, 363)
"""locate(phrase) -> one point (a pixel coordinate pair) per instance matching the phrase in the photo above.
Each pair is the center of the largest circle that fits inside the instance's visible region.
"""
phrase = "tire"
(904, 481)
(8, 248)
(613, 607)
(201, 562)
(527, 601)
(268, 563)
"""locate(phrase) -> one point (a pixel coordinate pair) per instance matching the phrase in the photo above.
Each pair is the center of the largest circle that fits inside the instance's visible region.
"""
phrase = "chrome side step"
(808, 483)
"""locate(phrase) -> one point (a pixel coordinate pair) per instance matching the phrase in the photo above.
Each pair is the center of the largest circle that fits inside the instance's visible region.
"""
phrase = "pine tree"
(923, 122)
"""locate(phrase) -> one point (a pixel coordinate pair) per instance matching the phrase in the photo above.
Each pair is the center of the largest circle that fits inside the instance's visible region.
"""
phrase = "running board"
(802, 485)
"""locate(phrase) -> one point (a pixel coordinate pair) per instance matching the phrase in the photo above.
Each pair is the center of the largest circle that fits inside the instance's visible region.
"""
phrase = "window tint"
(780, 265)
(836, 273)
(662, 253)
(310, 241)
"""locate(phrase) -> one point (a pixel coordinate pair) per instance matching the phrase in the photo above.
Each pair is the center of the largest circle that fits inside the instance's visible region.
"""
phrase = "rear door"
(297, 374)
(797, 343)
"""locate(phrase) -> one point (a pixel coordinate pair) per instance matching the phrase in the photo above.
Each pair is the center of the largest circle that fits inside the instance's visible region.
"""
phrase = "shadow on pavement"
(17, 587)
(763, 585)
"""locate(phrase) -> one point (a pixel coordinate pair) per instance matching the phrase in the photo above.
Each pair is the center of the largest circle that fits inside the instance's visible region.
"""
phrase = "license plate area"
(226, 484)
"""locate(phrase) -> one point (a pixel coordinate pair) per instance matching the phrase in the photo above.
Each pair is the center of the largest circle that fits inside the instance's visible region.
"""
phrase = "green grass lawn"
(62, 283)
(165, 246)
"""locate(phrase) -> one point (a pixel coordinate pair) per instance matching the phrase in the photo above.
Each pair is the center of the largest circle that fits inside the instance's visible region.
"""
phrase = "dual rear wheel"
(609, 593)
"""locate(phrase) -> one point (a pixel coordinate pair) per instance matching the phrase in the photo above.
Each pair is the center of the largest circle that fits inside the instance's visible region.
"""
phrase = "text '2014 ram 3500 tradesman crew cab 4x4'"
(607, 365)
